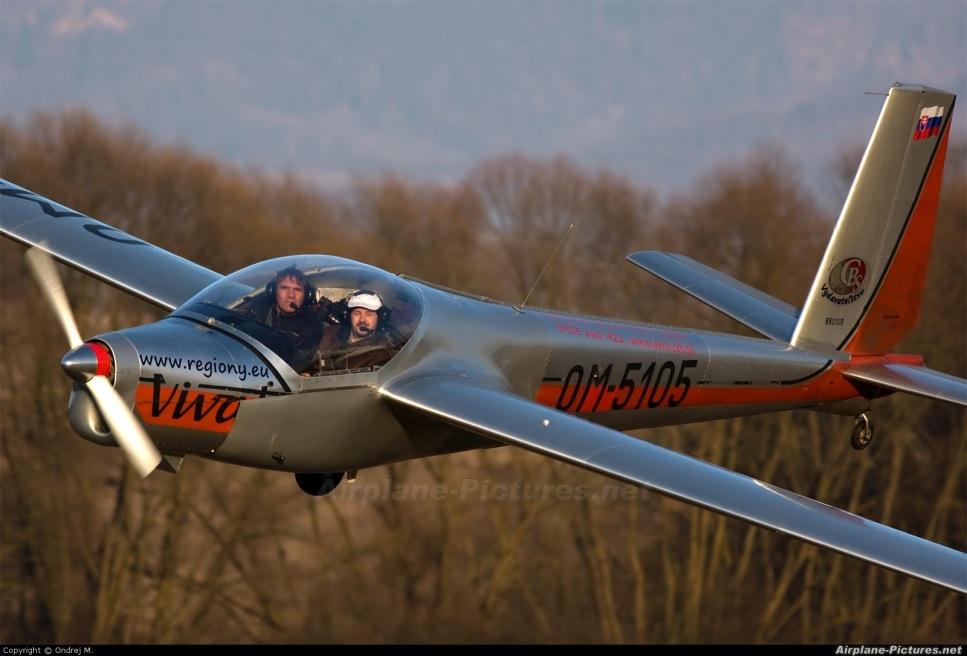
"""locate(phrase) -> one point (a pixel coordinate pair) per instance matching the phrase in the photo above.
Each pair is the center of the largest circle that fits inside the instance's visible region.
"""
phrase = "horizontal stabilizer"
(762, 313)
(498, 414)
(913, 379)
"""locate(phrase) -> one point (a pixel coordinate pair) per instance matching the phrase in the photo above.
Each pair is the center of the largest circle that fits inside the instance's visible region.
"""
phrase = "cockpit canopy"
(321, 314)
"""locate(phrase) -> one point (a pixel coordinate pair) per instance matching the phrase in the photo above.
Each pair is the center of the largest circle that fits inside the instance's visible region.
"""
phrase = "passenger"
(367, 339)
(290, 307)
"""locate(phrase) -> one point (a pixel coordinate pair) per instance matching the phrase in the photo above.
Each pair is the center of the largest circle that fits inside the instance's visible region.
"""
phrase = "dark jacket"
(302, 331)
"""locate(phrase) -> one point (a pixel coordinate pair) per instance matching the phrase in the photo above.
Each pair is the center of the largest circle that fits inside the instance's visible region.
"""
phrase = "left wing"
(135, 266)
(496, 413)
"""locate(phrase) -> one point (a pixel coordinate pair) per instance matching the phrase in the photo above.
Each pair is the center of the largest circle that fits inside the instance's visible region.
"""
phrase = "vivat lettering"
(182, 407)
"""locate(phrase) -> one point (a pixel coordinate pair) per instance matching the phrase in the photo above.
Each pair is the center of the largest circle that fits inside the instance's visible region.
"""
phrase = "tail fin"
(866, 294)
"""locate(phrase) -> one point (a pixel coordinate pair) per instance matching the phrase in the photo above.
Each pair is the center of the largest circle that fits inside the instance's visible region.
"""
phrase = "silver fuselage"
(204, 388)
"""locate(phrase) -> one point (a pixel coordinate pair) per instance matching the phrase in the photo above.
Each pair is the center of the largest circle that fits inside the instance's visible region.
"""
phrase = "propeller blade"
(42, 266)
(132, 439)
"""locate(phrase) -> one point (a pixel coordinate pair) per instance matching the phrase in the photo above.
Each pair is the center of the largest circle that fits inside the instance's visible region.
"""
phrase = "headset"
(309, 292)
(382, 314)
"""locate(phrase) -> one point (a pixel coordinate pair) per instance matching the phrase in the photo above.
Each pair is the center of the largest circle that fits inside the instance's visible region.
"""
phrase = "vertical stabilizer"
(866, 294)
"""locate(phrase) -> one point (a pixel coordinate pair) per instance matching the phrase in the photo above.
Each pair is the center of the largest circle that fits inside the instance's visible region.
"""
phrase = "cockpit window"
(321, 314)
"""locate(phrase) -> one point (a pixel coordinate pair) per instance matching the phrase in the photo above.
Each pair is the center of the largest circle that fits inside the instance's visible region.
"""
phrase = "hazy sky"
(659, 91)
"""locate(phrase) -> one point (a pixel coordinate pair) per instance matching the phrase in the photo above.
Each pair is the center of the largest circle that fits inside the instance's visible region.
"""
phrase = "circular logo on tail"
(846, 281)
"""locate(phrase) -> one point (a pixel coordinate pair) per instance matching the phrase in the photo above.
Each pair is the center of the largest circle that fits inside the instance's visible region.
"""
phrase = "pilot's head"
(290, 287)
(364, 309)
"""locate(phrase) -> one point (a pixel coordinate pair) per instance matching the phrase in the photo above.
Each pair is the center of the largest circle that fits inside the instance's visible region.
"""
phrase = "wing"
(97, 249)
(762, 313)
(913, 379)
(503, 416)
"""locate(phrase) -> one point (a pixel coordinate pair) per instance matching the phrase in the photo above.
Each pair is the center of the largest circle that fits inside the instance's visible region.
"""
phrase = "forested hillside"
(90, 553)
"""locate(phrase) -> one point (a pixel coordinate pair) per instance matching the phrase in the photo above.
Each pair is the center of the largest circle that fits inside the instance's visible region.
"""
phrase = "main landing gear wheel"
(862, 432)
(319, 484)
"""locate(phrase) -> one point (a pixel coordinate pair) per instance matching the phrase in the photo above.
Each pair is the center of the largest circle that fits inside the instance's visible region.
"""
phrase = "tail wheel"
(862, 432)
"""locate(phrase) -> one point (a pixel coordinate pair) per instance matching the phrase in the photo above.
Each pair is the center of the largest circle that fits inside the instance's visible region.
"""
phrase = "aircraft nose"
(86, 361)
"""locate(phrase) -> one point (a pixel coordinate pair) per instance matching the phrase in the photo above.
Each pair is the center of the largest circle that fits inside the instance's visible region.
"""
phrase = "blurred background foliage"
(89, 553)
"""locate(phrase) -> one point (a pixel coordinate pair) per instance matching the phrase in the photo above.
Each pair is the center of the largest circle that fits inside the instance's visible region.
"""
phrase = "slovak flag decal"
(929, 123)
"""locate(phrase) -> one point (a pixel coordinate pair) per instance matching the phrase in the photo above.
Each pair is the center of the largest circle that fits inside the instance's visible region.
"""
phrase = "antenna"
(520, 308)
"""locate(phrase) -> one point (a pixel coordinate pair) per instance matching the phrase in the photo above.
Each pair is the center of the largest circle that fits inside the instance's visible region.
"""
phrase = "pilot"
(290, 307)
(366, 340)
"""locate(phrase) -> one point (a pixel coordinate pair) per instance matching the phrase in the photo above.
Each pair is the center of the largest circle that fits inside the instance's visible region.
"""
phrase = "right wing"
(759, 311)
(135, 266)
(498, 414)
